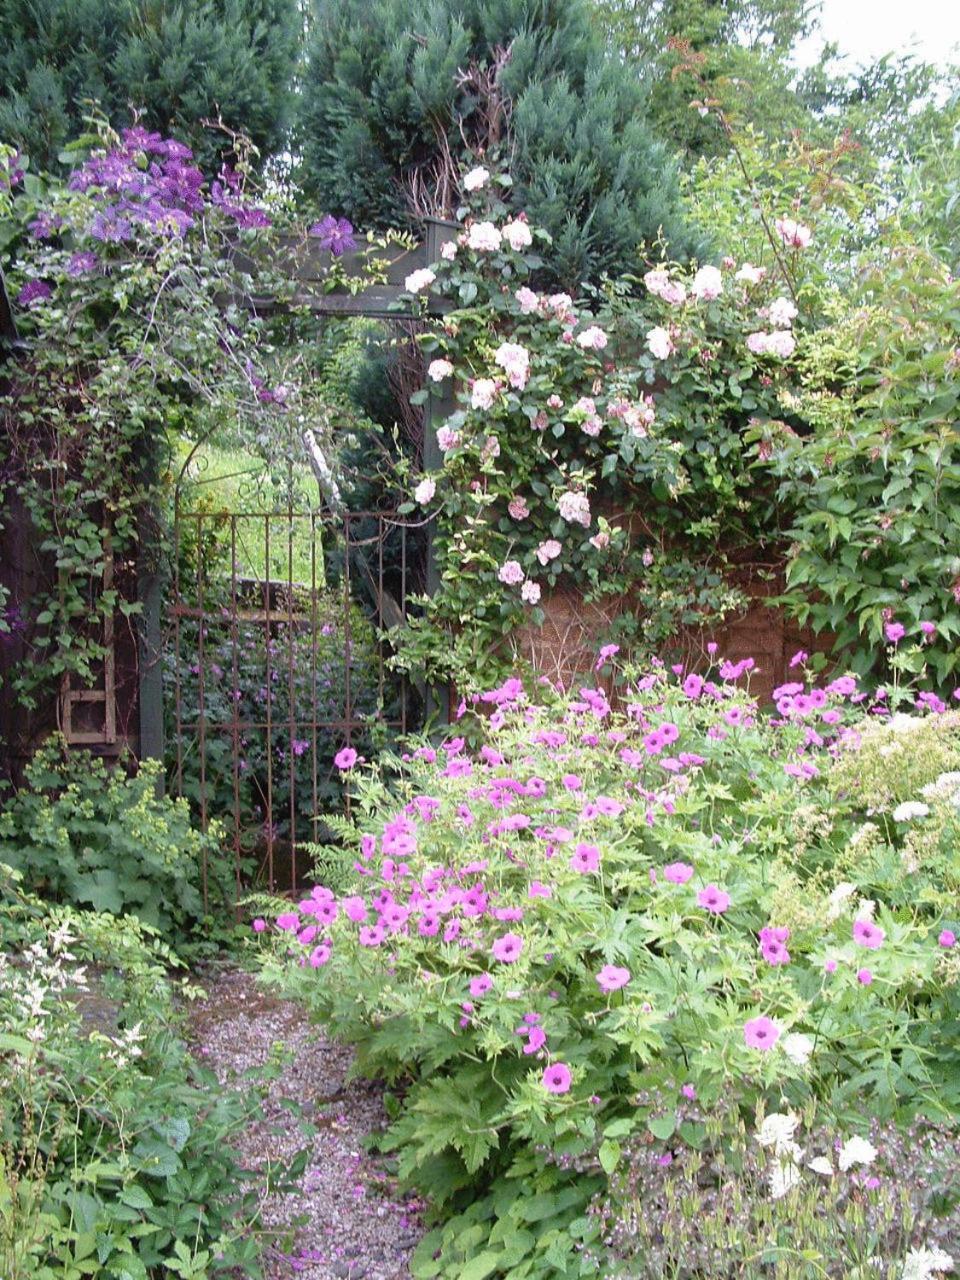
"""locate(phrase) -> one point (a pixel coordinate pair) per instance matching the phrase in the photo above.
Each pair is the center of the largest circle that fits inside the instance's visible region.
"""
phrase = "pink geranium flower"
(761, 1033)
(508, 948)
(868, 934)
(713, 899)
(611, 978)
(585, 858)
(557, 1078)
(677, 872)
(345, 758)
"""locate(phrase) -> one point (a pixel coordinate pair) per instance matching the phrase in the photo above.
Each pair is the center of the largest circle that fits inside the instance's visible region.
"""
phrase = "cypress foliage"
(178, 62)
(384, 98)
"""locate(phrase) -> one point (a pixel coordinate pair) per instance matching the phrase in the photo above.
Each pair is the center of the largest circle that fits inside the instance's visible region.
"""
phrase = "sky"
(867, 29)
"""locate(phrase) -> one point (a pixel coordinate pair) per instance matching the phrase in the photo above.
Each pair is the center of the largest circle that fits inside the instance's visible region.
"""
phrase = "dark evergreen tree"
(177, 62)
(397, 92)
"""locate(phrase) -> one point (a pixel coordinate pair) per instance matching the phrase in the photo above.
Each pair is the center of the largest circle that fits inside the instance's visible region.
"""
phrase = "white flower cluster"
(777, 1132)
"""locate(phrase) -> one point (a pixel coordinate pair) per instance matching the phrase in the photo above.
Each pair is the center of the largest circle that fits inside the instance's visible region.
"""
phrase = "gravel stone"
(355, 1222)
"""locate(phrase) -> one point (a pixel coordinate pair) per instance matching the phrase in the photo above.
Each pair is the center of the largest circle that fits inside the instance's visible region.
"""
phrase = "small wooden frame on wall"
(80, 721)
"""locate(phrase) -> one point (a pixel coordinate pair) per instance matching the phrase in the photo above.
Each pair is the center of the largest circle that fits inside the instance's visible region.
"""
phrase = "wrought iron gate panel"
(275, 662)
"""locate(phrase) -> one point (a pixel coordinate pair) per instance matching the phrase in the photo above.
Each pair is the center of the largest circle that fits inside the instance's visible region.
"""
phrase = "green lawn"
(221, 480)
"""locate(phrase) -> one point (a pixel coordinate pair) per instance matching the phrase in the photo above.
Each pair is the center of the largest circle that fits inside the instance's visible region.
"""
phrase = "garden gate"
(275, 658)
(274, 664)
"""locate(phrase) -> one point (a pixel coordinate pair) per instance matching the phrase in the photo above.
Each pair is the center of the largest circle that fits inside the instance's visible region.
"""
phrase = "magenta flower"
(320, 955)
(371, 935)
(507, 949)
(928, 628)
(677, 872)
(539, 890)
(864, 977)
(557, 1078)
(894, 631)
(345, 758)
(611, 977)
(259, 925)
(536, 1039)
(713, 899)
(693, 685)
(947, 937)
(288, 921)
(868, 934)
(688, 1091)
(761, 1033)
(585, 858)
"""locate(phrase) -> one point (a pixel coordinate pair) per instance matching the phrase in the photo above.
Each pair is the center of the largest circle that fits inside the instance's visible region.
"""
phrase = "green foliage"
(745, 47)
(876, 483)
(177, 64)
(558, 940)
(83, 834)
(116, 1155)
(393, 90)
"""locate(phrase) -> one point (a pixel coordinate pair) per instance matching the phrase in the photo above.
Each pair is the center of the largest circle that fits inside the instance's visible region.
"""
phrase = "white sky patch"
(867, 29)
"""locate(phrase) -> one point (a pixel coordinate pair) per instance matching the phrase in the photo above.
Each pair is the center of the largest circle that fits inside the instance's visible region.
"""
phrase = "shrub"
(597, 441)
(606, 905)
(115, 1147)
(84, 834)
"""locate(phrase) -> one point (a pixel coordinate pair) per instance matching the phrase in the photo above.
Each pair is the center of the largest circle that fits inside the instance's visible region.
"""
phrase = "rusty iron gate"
(275, 662)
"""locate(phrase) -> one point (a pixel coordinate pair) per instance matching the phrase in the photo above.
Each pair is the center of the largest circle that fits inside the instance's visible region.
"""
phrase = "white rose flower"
(483, 393)
(574, 508)
(592, 339)
(424, 491)
(707, 284)
(782, 313)
(749, 274)
(484, 236)
(437, 370)
(476, 178)
(417, 281)
(517, 234)
(660, 343)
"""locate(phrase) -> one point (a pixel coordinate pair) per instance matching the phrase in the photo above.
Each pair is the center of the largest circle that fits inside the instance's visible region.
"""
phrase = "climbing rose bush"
(605, 906)
(608, 428)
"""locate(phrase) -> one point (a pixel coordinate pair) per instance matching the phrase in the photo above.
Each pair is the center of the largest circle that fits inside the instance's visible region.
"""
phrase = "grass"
(224, 480)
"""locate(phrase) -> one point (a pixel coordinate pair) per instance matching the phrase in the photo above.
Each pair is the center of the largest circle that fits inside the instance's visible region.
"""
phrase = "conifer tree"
(397, 92)
(177, 62)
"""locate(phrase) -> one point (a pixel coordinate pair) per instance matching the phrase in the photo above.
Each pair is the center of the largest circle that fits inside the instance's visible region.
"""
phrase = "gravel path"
(355, 1224)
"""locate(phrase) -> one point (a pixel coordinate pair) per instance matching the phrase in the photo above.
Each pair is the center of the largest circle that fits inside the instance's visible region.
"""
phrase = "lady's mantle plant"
(598, 439)
(554, 942)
